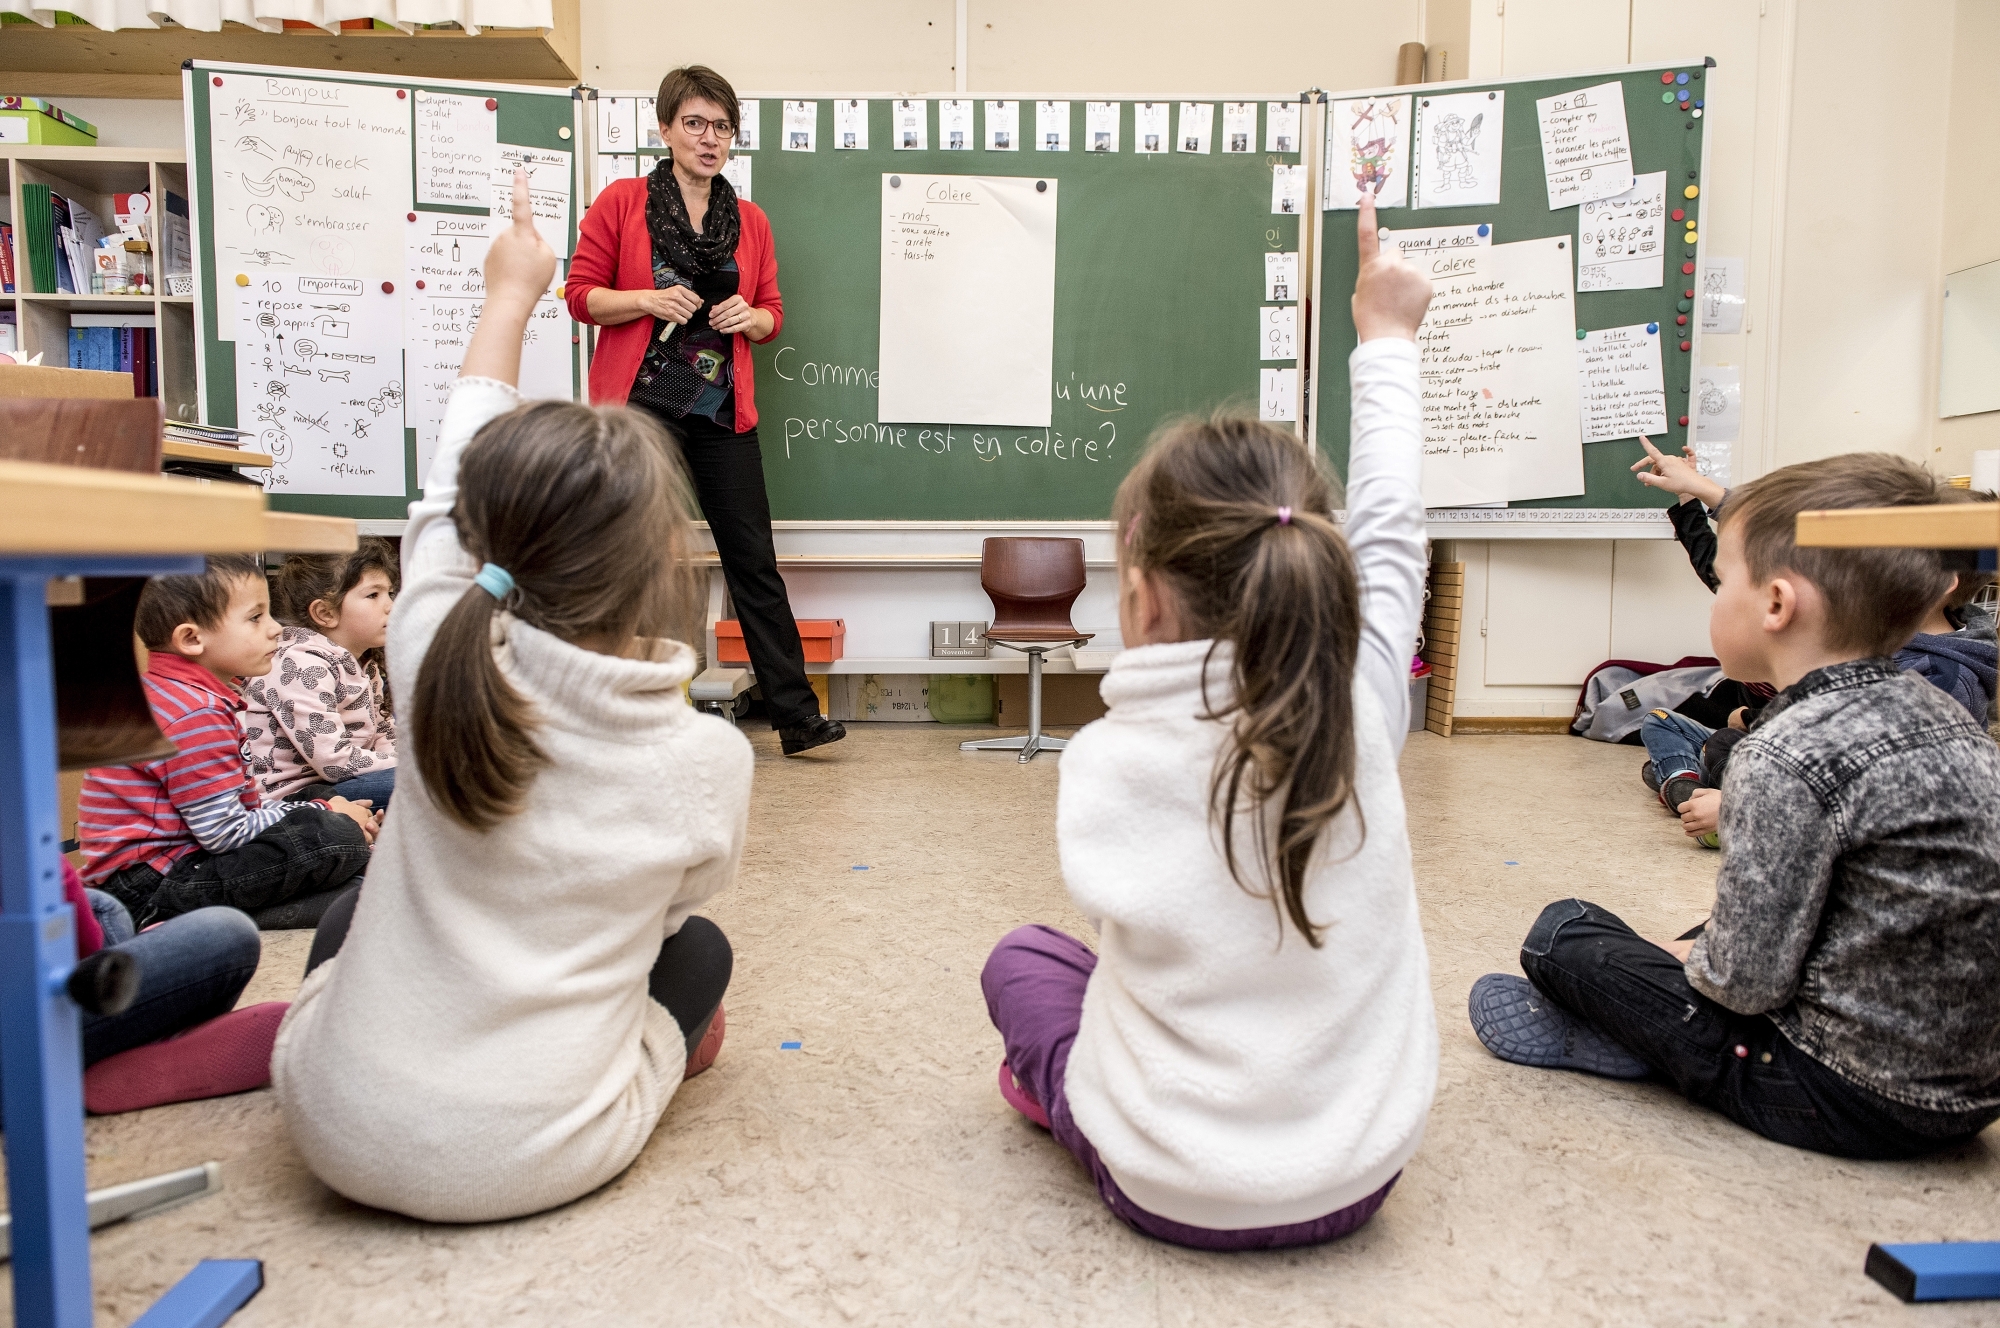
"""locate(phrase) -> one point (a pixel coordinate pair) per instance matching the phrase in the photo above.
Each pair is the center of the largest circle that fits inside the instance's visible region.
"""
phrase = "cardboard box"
(46, 380)
(824, 639)
(894, 697)
(1069, 700)
(32, 120)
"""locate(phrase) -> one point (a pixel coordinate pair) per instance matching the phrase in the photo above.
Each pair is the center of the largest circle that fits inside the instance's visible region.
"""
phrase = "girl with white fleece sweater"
(521, 986)
(1248, 1061)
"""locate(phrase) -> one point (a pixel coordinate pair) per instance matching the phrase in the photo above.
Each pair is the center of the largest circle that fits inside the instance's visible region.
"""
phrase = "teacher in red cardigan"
(680, 274)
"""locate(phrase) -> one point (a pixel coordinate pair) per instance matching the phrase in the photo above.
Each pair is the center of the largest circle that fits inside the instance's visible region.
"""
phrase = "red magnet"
(1679, 214)
(400, 94)
(1667, 77)
(1684, 421)
(1681, 319)
(218, 80)
(413, 216)
(1741, 1051)
(1685, 345)
(1687, 269)
(420, 286)
(389, 288)
(492, 103)
(1688, 294)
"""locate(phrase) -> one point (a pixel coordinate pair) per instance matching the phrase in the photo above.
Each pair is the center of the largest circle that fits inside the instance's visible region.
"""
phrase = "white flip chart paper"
(850, 125)
(457, 145)
(1619, 381)
(1052, 126)
(319, 380)
(1586, 154)
(1368, 152)
(910, 123)
(1281, 126)
(447, 253)
(309, 176)
(1456, 154)
(1281, 276)
(1499, 380)
(1278, 326)
(548, 190)
(1439, 239)
(1003, 126)
(1620, 240)
(1239, 126)
(968, 299)
(1277, 394)
(1100, 126)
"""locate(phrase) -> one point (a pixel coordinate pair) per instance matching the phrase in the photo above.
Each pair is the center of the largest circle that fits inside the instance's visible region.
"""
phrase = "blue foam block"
(207, 1296)
(1944, 1270)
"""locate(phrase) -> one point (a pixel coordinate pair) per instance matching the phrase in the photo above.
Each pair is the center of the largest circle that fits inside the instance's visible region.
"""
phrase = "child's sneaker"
(1676, 791)
(1019, 1098)
(1650, 777)
(1713, 839)
(710, 1046)
(1519, 1024)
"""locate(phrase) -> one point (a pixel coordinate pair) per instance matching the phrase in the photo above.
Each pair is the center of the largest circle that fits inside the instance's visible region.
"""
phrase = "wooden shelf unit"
(75, 60)
(92, 176)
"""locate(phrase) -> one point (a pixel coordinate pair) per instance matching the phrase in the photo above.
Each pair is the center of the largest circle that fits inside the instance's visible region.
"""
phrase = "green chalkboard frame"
(527, 117)
(1663, 138)
(1159, 278)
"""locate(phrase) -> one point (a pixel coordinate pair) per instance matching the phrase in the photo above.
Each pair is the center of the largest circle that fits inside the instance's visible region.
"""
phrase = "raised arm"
(1385, 506)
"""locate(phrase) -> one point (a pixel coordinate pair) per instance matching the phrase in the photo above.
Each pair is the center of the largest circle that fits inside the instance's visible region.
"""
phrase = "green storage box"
(32, 120)
(962, 698)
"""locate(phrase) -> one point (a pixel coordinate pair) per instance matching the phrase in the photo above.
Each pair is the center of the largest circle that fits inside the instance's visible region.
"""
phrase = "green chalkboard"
(1664, 137)
(1159, 281)
(537, 118)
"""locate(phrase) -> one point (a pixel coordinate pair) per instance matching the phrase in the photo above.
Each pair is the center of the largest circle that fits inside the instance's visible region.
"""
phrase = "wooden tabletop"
(68, 509)
(175, 449)
(1945, 526)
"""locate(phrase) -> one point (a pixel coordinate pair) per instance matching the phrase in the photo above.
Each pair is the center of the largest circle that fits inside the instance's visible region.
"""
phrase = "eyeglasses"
(696, 126)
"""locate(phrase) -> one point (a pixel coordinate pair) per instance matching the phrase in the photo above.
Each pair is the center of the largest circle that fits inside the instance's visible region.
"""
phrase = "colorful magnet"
(1685, 305)
(413, 216)
(420, 285)
(218, 80)
(1688, 293)
(1485, 229)
(1696, 115)
(1699, 103)
(1680, 78)
(242, 280)
(1687, 269)
(1678, 214)
(1666, 96)
(1692, 237)
(1652, 328)
(1693, 190)
(1684, 421)
(401, 95)
(1580, 334)
(1666, 76)
(492, 103)
(562, 131)
(1682, 95)
(1681, 319)
(388, 288)
(1687, 345)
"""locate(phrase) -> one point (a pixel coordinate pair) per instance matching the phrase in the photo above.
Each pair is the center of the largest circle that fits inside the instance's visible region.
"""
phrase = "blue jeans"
(191, 969)
(377, 786)
(1674, 742)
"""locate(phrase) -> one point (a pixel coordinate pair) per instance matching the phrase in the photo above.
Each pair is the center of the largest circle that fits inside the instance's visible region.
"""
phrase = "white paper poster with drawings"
(309, 176)
(1722, 295)
(1439, 239)
(548, 190)
(1620, 385)
(1281, 126)
(850, 125)
(457, 145)
(955, 125)
(649, 124)
(1003, 126)
(1288, 190)
(910, 121)
(1368, 152)
(1281, 276)
(1278, 328)
(1718, 404)
(1197, 126)
(801, 128)
(1239, 126)
(968, 299)
(1586, 153)
(1278, 394)
(747, 133)
(1149, 126)
(1455, 154)
(617, 124)
(737, 171)
(1497, 352)
(1621, 240)
(447, 254)
(1052, 126)
(319, 381)
(1100, 126)
(611, 168)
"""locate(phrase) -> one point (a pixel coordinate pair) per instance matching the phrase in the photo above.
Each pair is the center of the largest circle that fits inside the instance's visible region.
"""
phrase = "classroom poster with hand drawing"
(1456, 155)
(1368, 152)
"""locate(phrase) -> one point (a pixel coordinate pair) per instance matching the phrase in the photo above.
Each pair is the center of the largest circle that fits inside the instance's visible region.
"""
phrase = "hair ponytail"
(1237, 521)
(586, 509)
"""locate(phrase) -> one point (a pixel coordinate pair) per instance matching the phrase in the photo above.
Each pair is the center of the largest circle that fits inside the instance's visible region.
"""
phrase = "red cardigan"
(613, 249)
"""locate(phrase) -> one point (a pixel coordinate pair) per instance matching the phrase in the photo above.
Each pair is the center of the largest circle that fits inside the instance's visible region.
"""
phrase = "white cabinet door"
(1548, 610)
(1659, 607)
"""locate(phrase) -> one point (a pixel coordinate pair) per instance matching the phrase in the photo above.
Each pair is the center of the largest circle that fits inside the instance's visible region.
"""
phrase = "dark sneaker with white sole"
(1519, 1024)
(1650, 777)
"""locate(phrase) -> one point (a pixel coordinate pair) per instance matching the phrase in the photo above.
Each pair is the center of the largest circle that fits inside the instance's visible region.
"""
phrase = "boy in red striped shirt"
(169, 836)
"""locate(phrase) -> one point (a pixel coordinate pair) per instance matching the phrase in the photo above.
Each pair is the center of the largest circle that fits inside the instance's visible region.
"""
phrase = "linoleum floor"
(873, 1175)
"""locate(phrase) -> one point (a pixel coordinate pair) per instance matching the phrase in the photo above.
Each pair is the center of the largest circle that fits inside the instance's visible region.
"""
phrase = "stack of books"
(209, 435)
(62, 233)
(117, 344)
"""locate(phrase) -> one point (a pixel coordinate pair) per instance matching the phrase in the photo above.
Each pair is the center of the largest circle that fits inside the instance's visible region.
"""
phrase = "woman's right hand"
(675, 304)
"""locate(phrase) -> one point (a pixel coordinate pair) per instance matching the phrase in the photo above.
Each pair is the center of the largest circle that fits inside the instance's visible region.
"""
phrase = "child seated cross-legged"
(497, 1023)
(168, 836)
(1249, 1060)
(318, 725)
(1844, 994)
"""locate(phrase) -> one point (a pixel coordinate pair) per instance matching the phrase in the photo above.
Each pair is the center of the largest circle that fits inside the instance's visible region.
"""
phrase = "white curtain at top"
(270, 15)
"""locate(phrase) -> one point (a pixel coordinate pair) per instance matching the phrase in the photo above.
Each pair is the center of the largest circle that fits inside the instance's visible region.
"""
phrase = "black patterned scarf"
(691, 254)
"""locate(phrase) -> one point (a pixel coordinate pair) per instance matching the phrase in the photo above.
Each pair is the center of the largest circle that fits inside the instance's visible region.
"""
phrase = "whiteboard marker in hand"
(519, 267)
(1390, 294)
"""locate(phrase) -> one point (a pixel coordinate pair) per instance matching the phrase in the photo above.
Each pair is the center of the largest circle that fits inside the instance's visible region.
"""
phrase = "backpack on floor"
(1619, 692)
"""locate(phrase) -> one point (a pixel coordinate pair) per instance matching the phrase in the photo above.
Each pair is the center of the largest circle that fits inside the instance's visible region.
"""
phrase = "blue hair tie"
(495, 580)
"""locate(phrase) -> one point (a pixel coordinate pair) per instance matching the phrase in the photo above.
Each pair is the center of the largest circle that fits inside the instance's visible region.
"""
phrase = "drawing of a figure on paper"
(1456, 142)
(1457, 149)
(1375, 133)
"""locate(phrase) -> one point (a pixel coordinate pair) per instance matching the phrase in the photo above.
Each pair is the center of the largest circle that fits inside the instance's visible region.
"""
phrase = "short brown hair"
(309, 577)
(1875, 598)
(683, 85)
(169, 601)
(586, 508)
(1963, 563)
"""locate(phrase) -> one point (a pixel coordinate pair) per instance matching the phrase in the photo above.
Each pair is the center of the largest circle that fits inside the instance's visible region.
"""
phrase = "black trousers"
(689, 977)
(728, 473)
(1589, 962)
(284, 878)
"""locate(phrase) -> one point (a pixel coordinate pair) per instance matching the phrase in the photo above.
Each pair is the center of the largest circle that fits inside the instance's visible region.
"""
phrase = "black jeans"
(689, 977)
(728, 473)
(1589, 962)
(283, 878)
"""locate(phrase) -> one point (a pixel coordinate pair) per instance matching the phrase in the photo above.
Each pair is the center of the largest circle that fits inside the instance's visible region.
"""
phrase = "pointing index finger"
(524, 204)
(1366, 235)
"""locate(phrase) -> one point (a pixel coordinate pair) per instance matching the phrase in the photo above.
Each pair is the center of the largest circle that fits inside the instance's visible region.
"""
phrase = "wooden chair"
(1032, 583)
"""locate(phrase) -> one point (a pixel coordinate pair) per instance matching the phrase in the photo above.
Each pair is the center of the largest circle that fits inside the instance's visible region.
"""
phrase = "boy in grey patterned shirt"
(1844, 995)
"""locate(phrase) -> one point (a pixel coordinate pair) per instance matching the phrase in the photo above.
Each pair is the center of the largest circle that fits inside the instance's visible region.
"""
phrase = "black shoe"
(1677, 791)
(815, 732)
(1649, 777)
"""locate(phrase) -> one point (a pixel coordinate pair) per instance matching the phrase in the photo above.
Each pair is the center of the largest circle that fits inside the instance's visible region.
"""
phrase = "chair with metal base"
(1032, 583)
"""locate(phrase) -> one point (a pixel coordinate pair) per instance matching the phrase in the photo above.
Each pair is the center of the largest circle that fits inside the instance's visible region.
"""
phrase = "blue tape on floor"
(789, 1046)
(860, 867)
